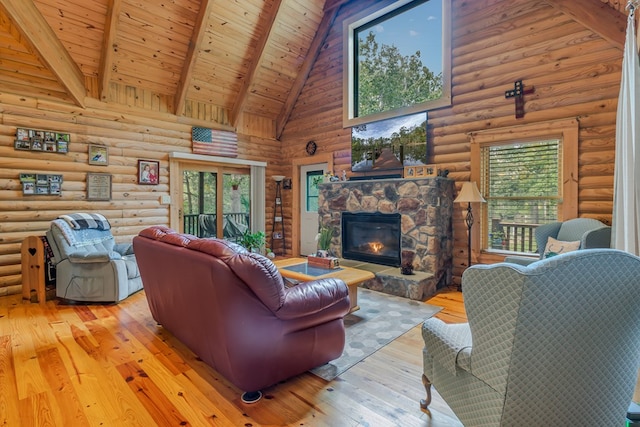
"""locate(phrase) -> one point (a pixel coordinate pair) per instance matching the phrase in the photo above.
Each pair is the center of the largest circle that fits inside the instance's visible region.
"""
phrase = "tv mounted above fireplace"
(389, 144)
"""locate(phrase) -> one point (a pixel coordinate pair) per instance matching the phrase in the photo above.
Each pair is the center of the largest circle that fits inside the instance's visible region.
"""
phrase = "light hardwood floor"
(112, 365)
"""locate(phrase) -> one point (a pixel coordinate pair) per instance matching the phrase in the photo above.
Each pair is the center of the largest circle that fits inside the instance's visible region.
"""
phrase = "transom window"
(398, 60)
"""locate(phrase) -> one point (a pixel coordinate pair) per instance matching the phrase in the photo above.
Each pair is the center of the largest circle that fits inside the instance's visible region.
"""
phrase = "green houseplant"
(324, 239)
(254, 242)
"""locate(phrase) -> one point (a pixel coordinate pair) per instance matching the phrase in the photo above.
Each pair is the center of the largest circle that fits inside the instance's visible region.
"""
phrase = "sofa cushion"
(556, 247)
(177, 239)
(156, 232)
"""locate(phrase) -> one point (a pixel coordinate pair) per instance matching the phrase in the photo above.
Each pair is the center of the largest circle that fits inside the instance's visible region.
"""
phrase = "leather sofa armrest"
(89, 257)
(312, 297)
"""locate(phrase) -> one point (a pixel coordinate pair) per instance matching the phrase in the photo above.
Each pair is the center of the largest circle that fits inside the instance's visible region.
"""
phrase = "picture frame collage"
(421, 171)
(42, 140)
(36, 184)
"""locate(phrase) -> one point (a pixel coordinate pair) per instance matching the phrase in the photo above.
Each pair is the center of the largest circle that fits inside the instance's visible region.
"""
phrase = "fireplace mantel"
(426, 208)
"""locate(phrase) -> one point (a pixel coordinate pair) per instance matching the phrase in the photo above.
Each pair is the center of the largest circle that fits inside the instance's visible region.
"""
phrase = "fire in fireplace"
(371, 237)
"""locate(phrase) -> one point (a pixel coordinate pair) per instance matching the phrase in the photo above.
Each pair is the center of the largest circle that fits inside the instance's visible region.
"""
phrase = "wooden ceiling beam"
(257, 59)
(109, 48)
(599, 17)
(35, 29)
(303, 74)
(190, 60)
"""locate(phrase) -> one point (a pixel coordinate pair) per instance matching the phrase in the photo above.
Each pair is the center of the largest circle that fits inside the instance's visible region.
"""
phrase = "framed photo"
(98, 155)
(148, 172)
(62, 141)
(22, 134)
(28, 188)
(430, 170)
(21, 144)
(50, 147)
(286, 184)
(409, 171)
(37, 144)
(98, 186)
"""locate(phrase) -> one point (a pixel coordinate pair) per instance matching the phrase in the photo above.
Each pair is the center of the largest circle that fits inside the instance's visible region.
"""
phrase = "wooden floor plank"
(61, 388)
(113, 365)
(9, 397)
(151, 396)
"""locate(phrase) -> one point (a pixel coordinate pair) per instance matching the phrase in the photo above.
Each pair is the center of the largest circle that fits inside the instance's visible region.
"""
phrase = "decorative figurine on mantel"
(344, 175)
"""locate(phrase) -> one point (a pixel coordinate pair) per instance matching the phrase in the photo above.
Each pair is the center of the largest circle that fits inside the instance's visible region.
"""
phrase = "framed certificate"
(98, 186)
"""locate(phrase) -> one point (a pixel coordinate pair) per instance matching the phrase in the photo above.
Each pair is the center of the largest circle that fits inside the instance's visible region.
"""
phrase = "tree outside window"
(399, 61)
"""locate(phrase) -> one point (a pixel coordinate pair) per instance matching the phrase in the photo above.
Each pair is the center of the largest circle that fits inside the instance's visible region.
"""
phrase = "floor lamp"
(469, 194)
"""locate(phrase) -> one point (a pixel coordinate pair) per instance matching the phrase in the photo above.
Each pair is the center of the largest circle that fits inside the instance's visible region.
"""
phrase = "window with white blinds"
(521, 183)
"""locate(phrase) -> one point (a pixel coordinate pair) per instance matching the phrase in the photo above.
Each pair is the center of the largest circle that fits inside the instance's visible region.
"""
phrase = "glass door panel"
(236, 206)
(199, 199)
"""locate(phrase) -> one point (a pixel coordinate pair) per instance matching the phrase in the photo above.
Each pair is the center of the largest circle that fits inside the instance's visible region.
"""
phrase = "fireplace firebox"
(371, 237)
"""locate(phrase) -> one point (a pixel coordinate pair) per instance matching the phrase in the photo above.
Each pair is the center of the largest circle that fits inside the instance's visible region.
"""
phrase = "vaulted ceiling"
(248, 56)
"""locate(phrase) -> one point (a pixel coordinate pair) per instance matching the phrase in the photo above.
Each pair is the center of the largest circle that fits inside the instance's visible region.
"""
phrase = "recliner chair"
(90, 266)
(590, 232)
(555, 343)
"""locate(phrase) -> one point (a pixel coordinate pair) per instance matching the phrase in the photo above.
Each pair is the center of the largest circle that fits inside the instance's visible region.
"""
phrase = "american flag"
(214, 142)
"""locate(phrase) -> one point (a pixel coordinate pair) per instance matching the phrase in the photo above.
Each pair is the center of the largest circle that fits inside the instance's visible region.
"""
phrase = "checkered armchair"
(90, 266)
(555, 343)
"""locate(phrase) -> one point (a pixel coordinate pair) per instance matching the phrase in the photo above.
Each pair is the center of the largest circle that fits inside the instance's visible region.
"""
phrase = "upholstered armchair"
(90, 266)
(555, 343)
(590, 232)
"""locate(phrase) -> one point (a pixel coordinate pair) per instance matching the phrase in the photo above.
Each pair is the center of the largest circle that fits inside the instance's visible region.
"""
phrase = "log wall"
(575, 73)
(130, 133)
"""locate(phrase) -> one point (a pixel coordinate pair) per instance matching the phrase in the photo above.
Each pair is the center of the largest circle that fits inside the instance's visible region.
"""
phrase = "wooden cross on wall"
(518, 92)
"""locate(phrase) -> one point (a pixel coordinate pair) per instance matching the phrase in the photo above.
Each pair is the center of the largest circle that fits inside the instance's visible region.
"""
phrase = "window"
(528, 176)
(313, 179)
(398, 60)
(520, 181)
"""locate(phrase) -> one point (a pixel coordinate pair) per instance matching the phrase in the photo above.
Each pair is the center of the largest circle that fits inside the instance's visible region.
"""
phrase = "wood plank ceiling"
(240, 55)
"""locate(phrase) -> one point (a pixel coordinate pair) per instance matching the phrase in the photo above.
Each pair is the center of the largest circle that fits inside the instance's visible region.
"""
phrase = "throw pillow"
(556, 247)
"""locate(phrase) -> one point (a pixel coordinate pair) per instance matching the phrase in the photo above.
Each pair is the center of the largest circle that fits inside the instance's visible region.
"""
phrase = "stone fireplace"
(424, 208)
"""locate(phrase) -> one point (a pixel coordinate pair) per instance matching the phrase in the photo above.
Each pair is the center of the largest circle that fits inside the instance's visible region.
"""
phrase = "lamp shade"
(278, 178)
(469, 193)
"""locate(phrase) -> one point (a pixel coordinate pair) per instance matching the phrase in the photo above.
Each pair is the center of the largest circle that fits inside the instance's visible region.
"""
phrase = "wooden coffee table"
(298, 269)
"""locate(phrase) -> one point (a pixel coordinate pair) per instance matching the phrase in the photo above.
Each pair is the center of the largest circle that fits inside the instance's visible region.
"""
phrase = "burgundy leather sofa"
(231, 308)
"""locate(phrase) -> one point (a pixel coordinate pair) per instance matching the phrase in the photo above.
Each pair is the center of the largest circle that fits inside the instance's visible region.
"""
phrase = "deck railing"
(235, 223)
(513, 236)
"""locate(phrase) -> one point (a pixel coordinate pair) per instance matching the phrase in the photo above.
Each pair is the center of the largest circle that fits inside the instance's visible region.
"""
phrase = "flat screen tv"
(389, 144)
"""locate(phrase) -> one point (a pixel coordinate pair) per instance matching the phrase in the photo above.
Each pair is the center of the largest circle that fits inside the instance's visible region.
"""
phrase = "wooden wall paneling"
(496, 43)
(129, 132)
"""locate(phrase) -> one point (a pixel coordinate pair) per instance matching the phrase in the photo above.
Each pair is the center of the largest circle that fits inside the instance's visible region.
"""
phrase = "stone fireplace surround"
(426, 208)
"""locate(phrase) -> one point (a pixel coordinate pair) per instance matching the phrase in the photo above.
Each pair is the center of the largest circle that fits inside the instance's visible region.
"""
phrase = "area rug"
(381, 319)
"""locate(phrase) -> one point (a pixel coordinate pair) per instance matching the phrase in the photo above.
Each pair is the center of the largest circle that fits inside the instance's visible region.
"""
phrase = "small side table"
(33, 257)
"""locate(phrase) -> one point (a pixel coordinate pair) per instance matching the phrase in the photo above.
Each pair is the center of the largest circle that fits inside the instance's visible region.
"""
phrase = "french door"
(215, 201)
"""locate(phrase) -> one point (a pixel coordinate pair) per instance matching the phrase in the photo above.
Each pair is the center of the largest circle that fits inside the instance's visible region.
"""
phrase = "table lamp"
(469, 194)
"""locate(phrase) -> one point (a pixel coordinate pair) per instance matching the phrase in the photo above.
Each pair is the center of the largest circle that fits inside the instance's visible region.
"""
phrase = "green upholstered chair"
(555, 343)
(590, 232)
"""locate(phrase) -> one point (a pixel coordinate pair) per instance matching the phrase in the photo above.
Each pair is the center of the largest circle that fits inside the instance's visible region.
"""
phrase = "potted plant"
(254, 242)
(323, 238)
(235, 181)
